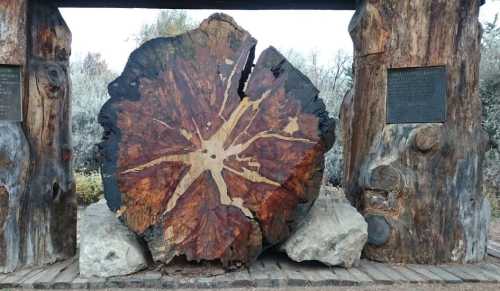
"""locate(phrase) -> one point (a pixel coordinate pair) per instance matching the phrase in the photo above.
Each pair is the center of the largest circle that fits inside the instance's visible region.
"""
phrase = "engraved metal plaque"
(416, 95)
(10, 93)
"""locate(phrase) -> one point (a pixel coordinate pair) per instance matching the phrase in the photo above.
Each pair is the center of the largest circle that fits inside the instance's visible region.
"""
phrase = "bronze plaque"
(10, 93)
(416, 95)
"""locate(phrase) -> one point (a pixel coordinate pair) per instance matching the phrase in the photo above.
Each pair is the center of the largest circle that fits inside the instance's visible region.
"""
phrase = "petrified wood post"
(14, 148)
(413, 139)
(205, 157)
(37, 199)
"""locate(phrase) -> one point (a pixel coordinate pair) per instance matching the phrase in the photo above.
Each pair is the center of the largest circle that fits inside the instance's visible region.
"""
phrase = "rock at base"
(333, 233)
(107, 247)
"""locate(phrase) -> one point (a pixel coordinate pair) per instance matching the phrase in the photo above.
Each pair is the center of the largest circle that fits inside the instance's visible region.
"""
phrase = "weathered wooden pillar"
(14, 149)
(413, 140)
(37, 198)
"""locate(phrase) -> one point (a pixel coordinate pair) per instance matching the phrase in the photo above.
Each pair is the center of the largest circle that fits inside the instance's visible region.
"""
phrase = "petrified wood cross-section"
(206, 155)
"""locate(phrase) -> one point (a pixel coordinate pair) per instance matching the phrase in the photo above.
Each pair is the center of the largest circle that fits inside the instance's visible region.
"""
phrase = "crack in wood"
(212, 154)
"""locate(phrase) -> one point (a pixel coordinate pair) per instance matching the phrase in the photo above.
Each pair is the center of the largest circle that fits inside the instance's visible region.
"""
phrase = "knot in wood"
(5, 162)
(4, 200)
(384, 177)
(52, 80)
(428, 138)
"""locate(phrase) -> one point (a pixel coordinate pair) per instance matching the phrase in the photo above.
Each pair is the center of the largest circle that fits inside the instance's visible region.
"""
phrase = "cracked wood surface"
(206, 157)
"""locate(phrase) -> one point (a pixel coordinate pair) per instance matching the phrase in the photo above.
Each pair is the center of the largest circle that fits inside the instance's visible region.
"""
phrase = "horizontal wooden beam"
(213, 4)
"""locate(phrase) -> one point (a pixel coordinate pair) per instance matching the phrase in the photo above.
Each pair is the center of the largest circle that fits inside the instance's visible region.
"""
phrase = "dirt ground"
(412, 287)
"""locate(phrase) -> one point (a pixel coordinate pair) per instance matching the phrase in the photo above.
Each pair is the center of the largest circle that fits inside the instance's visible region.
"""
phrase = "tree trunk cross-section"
(206, 157)
(418, 184)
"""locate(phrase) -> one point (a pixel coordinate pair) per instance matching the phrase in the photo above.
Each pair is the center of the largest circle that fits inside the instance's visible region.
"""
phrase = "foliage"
(89, 188)
(490, 96)
(490, 80)
(494, 201)
(168, 23)
(333, 80)
(90, 78)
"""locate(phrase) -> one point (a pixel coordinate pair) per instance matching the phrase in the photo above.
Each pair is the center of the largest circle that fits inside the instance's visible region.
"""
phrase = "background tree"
(490, 96)
(90, 77)
(168, 23)
(334, 80)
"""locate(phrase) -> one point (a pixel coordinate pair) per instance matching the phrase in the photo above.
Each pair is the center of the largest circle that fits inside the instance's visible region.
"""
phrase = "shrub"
(90, 78)
(88, 188)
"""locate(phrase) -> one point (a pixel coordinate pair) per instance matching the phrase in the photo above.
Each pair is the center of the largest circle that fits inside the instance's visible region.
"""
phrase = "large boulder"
(333, 233)
(107, 247)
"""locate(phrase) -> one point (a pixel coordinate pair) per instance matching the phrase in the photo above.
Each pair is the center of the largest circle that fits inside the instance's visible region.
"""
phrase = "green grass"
(88, 188)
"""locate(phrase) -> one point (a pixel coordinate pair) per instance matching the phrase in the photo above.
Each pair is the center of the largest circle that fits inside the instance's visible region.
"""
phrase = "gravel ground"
(413, 287)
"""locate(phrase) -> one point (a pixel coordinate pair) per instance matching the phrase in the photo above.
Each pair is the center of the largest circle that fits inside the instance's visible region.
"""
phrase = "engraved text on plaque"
(416, 95)
(10, 93)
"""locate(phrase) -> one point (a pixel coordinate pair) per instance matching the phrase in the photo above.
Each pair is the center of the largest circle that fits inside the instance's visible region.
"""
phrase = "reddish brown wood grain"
(203, 160)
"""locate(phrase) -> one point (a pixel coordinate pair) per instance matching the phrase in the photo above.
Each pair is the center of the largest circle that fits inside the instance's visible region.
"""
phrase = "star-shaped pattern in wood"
(204, 156)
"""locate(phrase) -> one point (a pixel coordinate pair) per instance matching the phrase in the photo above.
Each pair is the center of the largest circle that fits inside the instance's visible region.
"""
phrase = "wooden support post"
(14, 148)
(37, 196)
(418, 184)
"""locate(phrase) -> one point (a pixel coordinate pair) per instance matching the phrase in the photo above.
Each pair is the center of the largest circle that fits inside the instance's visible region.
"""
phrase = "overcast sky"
(110, 31)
